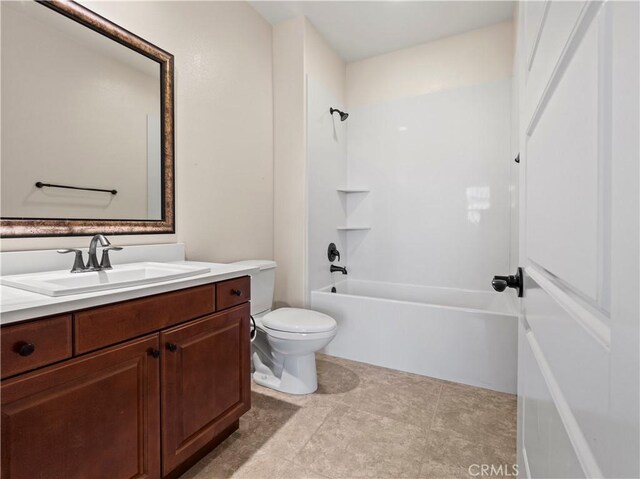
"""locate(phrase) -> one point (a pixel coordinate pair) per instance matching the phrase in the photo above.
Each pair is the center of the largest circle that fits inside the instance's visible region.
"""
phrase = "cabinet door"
(205, 381)
(96, 416)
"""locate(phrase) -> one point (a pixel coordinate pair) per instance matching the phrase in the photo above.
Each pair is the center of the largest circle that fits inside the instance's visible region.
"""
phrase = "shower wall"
(429, 139)
(327, 172)
(437, 168)
(429, 135)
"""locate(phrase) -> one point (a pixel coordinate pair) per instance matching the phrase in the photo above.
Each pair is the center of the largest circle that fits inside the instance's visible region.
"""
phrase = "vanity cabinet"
(138, 389)
(206, 381)
(96, 416)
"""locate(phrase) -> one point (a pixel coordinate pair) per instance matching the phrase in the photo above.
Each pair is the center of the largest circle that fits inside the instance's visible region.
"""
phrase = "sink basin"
(62, 283)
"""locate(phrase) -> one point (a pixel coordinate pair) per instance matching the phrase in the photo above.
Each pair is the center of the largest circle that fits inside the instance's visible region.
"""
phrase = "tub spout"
(335, 269)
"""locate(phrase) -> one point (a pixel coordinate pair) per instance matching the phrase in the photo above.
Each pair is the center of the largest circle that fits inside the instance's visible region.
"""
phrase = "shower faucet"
(332, 252)
(334, 269)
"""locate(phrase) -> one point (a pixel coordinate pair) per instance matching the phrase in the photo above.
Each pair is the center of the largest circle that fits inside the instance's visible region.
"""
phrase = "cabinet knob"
(25, 349)
(172, 347)
(155, 353)
(236, 292)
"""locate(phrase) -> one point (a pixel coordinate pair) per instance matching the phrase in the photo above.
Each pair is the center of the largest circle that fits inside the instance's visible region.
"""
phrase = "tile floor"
(366, 421)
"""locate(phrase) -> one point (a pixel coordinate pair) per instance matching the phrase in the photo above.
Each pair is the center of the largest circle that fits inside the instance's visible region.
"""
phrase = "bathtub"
(469, 337)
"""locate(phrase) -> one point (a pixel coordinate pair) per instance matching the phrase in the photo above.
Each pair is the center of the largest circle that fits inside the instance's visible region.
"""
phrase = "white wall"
(224, 121)
(429, 133)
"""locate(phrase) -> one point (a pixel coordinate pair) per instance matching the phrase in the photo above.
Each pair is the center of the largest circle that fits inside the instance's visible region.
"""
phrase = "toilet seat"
(299, 337)
(298, 321)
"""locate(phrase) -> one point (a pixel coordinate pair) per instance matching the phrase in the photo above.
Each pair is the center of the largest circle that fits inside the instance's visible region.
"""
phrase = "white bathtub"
(464, 336)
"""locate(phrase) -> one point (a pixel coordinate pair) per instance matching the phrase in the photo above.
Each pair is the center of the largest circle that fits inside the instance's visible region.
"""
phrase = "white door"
(578, 358)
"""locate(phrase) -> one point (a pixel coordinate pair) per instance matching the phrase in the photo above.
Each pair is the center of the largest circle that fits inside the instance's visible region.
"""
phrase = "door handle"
(516, 281)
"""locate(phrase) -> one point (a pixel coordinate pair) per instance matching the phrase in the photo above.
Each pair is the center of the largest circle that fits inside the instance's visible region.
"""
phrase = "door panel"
(206, 381)
(579, 334)
(97, 416)
(535, 13)
(562, 236)
(623, 438)
(553, 34)
(549, 453)
(576, 364)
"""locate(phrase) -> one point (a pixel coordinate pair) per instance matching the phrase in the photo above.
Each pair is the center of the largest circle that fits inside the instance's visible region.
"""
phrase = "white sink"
(62, 283)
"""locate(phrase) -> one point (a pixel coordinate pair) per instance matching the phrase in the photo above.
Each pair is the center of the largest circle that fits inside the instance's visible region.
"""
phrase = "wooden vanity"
(137, 389)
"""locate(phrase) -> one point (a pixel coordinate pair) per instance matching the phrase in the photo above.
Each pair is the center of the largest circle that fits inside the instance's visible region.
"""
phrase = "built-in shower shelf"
(353, 228)
(354, 190)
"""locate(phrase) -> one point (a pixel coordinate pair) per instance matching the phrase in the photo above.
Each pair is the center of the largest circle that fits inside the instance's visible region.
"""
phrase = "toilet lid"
(294, 320)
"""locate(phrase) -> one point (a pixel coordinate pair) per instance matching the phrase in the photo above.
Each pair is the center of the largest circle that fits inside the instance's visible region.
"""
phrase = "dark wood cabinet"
(233, 292)
(94, 411)
(106, 325)
(95, 417)
(206, 382)
(33, 344)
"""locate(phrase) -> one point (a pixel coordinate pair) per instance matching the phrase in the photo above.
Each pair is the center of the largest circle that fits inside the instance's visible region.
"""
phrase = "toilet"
(283, 352)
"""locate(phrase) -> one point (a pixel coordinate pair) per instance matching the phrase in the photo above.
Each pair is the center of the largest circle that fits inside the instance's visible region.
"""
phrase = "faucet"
(92, 264)
(334, 269)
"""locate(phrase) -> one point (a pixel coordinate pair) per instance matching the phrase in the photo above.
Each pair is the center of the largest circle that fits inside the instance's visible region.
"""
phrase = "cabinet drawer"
(99, 327)
(38, 343)
(233, 292)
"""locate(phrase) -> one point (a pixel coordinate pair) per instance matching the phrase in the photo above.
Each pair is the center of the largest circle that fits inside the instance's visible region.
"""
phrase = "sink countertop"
(19, 305)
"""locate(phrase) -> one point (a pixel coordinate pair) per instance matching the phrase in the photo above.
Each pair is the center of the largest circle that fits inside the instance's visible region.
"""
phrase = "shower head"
(343, 115)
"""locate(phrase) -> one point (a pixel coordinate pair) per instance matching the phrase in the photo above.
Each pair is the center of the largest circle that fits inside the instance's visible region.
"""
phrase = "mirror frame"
(34, 227)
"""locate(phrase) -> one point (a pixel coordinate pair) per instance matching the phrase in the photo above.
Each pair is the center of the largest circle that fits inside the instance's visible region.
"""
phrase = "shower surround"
(437, 166)
(430, 148)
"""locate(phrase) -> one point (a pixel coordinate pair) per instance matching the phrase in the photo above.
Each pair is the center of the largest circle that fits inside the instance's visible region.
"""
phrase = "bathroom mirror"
(87, 125)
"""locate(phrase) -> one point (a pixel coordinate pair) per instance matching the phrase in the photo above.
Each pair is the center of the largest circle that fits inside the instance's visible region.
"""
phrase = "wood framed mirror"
(87, 125)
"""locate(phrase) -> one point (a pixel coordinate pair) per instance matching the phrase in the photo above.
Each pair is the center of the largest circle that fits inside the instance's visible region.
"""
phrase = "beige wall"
(474, 57)
(323, 64)
(224, 137)
(298, 51)
(289, 161)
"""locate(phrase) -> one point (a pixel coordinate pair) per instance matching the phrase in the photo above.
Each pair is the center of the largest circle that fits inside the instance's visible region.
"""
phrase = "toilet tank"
(262, 284)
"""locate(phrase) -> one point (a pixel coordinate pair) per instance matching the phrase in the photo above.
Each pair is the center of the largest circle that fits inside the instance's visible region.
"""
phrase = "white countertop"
(18, 305)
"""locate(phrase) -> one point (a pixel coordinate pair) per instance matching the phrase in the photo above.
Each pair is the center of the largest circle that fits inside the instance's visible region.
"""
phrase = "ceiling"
(362, 29)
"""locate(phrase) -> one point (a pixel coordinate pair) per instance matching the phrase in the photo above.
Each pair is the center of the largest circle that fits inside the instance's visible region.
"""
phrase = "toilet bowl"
(283, 352)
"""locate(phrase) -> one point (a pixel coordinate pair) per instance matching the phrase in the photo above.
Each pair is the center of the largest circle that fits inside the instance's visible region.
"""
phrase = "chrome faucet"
(92, 264)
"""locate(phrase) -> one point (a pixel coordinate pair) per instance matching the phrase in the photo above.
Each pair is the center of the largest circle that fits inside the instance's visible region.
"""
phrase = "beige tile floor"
(366, 421)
